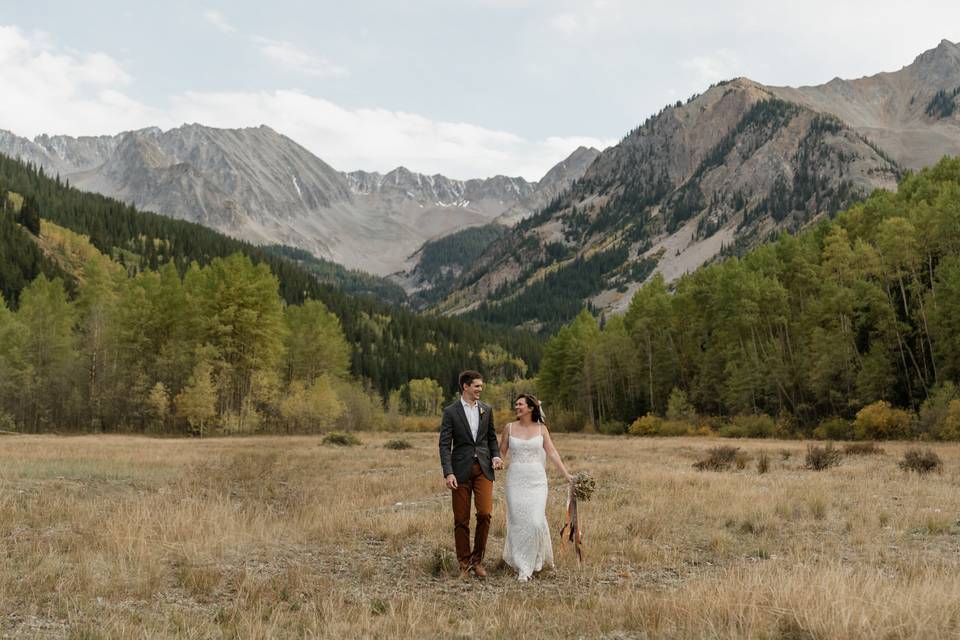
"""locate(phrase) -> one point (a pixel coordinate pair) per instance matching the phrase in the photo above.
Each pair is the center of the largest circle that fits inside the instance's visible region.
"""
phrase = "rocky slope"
(897, 109)
(729, 169)
(260, 186)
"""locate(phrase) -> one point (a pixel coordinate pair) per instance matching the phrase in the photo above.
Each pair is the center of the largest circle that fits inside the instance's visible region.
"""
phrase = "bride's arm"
(505, 441)
(553, 454)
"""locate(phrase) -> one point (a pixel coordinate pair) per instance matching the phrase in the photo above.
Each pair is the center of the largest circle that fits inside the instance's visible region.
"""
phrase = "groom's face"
(471, 392)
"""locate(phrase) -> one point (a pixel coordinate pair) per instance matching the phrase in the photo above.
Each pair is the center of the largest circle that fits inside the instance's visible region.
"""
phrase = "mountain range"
(724, 171)
(728, 169)
(258, 185)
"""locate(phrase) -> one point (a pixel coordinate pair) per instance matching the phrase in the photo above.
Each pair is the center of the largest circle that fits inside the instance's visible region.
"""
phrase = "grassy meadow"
(132, 537)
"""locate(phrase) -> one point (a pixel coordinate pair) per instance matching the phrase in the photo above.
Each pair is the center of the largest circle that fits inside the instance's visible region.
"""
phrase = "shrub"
(757, 426)
(613, 427)
(566, 420)
(675, 428)
(934, 411)
(648, 425)
(441, 562)
(880, 421)
(741, 460)
(949, 426)
(862, 449)
(763, 462)
(7, 423)
(822, 457)
(718, 459)
(679, 408)
(834, 429)
(398, 445)
(362, 408)
(341, 439)
(923, 461)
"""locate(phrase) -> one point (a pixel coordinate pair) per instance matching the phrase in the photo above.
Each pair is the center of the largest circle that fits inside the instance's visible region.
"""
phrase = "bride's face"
(521, 408)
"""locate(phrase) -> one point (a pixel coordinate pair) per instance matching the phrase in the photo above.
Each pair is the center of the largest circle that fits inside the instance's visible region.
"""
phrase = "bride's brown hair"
(535, 413)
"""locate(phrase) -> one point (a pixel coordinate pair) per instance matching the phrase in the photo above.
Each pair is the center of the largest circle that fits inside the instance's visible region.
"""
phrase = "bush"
(834, 429)
(565, 420)
(398, 445)
(7, 422)
(675, 428)
(679, 408)
(763, 462)
(648, 425)
(758, 426)
(880, 421)
(651, 425)
(923, 461)
(362, 408)
(613, 427)
(718, 459)
(862, 449)
(341, 439)
(949, 426)
(418, 424)
(822, 457)
(935, 409)
(741, 460)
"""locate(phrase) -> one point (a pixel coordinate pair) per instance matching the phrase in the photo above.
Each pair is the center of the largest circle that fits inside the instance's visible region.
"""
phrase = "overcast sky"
(467, 88)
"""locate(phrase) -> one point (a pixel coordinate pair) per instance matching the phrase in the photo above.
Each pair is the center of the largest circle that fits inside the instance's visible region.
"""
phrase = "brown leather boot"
(479, 571)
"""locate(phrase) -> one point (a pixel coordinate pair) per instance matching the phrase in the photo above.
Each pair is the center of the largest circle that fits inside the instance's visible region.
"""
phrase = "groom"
(468, 454)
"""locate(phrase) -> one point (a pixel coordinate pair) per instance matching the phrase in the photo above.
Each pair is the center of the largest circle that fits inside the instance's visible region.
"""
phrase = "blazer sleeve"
(492, 437)
(446, 443)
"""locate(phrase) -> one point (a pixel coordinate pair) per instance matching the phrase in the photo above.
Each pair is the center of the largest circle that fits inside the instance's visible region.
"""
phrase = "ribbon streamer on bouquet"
(573, 523)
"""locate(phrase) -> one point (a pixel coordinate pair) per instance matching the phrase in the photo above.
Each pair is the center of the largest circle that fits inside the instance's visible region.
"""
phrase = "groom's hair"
(467, 378)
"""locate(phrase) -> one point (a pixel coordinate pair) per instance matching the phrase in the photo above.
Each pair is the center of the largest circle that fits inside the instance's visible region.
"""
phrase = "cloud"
(216, 18)
(292, 56)
(381, 139)
(566, 23)
(46, 89)
(719, 65)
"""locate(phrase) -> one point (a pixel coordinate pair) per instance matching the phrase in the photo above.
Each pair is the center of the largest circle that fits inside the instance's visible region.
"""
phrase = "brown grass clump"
(922, 461)
(822, 457)
(398, 445)
(718, 458)
(862, 449)
(341, 439)
(763, 462)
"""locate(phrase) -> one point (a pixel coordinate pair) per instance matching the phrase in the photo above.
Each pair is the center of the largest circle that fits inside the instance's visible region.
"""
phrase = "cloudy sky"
(468, 88)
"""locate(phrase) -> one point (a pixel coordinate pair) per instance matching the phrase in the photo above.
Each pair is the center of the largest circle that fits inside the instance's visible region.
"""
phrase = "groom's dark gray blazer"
(458, 450)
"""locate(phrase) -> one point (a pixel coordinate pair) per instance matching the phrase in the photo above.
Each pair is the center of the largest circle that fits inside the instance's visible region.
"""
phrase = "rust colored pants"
(481, 488)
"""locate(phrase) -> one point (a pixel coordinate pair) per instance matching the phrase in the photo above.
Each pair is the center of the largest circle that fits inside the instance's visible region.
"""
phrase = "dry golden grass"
(286, 537)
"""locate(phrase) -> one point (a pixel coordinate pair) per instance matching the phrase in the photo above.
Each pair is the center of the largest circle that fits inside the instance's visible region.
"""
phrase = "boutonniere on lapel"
(480, 408)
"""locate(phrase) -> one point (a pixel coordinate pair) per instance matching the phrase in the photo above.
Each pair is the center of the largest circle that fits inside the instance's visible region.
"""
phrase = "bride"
(527, 547)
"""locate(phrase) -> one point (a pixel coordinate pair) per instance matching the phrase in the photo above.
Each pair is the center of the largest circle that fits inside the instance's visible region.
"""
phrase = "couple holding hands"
(469, 454)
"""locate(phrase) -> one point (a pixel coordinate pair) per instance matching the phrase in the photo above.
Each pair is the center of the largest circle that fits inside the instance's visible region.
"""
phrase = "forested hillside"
(854, 311)
(389, 345)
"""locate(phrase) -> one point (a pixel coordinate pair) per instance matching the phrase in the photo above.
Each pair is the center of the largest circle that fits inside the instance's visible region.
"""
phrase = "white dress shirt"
(473, 416)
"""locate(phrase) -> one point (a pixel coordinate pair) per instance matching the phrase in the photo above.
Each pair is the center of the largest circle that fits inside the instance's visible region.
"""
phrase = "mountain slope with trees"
(855, 311)
(389, 345)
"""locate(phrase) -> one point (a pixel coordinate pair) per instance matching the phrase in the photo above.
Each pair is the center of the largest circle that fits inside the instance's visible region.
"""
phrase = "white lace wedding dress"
(527, 547)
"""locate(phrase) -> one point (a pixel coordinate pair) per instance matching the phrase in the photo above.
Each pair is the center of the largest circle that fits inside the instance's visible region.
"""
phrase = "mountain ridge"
(258, 185)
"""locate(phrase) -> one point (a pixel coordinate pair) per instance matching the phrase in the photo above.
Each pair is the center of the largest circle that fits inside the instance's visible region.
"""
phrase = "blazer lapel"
(465, 422)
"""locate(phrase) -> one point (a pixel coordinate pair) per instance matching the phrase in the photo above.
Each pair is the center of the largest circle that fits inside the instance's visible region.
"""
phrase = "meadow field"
(132, 537)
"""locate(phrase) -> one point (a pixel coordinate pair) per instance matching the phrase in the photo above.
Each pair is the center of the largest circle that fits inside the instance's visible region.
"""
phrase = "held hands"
(451, 481)
(497, 463)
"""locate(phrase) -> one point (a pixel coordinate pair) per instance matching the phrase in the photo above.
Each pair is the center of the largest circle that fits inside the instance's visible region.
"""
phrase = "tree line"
(389, 345)
(861, 309)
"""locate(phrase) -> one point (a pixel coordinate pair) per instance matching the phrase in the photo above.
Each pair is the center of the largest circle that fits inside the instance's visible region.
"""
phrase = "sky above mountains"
(467, 88)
